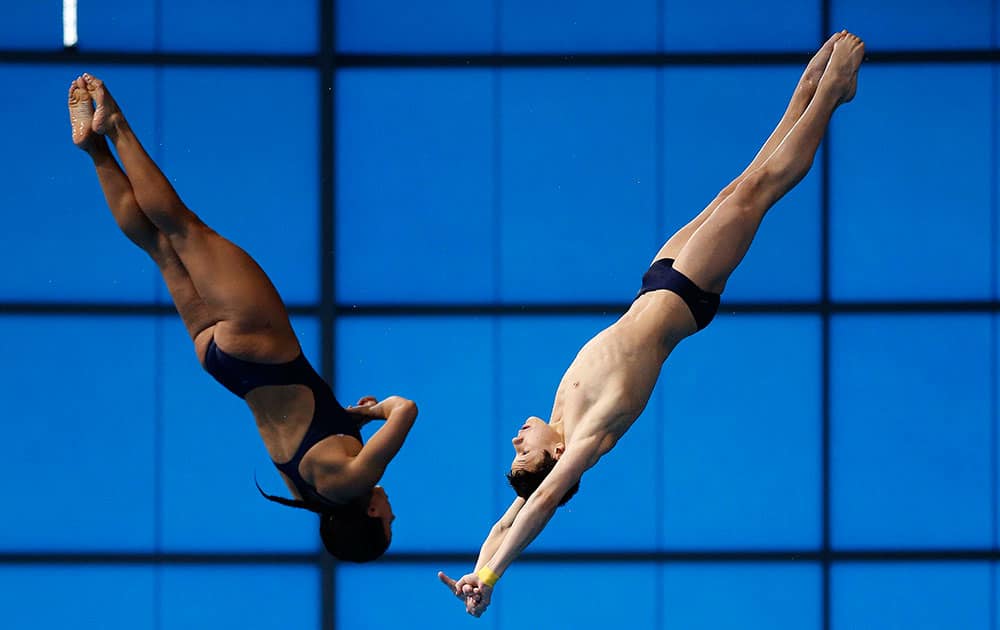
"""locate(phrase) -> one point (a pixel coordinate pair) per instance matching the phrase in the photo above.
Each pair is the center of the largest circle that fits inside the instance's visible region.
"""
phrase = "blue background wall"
(452, 197)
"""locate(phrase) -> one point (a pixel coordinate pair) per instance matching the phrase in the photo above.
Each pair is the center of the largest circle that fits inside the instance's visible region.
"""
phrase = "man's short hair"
(525, 482)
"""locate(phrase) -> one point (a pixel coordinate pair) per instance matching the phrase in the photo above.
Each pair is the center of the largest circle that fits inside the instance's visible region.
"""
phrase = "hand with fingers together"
(365, 411)
(472, 590)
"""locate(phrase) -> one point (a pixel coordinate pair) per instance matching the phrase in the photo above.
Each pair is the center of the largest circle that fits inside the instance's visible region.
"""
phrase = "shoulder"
(332, 472)
(592, 439)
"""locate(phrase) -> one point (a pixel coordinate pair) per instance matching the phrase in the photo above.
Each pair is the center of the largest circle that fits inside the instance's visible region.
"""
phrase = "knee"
(751, 188)
(751, 198)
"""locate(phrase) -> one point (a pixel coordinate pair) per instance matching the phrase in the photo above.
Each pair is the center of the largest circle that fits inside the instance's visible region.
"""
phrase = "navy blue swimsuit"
(329, 417)
(662, 275)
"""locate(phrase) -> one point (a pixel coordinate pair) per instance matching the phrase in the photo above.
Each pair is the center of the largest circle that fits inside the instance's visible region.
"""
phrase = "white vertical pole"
(69, 23)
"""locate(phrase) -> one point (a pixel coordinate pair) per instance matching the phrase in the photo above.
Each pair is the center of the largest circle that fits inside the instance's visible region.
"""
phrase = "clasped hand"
(471, 590)
(365, 411)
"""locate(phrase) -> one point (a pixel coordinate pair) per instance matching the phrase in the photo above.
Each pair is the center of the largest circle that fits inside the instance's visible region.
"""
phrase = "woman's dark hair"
(353, 536)
(347, 531)
(524, 482)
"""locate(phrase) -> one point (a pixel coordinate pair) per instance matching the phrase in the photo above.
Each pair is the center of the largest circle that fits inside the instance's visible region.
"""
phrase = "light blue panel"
(59, 241)
(445, 365)
(32, 25)
(563, 595)
(249, 169)
(239, 597)
(362, 606)
(567, 26)
(911, 596)
(107, 597)
(732, 25)
(255, 26)
(535, 351)
(386, 26)
(211, 451)
(917, 24)
(739, 596)
(80, 402)
(415, 209)
(742, 455)
(120, 25)
(910, 442)
(905, 224)
(577, 193)
(717, 119)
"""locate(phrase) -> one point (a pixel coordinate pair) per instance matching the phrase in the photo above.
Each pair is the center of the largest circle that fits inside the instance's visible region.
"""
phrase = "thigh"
(195, 313)
(718, 246)
(673, 247)
(234, 287)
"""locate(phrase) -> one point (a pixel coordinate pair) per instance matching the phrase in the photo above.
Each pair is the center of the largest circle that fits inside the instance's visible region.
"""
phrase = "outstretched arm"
(496, 536)
(499, 532)
(528, 523)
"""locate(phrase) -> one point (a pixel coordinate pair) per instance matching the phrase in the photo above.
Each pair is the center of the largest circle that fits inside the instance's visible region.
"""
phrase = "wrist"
(487, 576)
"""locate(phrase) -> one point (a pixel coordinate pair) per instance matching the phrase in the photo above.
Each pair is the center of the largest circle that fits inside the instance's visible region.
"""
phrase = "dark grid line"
(994, 365)
(576, 556)
(55, 309)
(327, 259)
(479, 60)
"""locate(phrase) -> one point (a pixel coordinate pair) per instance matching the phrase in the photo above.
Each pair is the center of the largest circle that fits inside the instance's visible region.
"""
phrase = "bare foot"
(107, 114)
(841, 76)
(81, 115)
(817, 65)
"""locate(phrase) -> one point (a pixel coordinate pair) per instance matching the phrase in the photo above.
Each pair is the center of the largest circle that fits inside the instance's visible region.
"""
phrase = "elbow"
(545, 500)
(409, 408)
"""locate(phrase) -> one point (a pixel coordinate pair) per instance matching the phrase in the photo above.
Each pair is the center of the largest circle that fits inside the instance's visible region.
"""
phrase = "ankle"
(117, 127)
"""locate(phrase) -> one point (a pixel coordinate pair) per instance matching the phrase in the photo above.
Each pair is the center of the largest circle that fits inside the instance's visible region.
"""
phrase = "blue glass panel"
(415, 210)
(716, 121)
(240, 598)
(737, 596)
(252, 183)
(118, 25)
(446, 365)
(32, 25)
(577, 190)
(911, 596)
(535, 351)
(401, 26)
(244, 26)
(567, 26)
(895, 210)
(423, 592)
(917, 24)
(577, 596)
(85, 403)
(110, 597)
(732, 25)
(742, 430)
(211, 451)
(63, 245)
(911, 430)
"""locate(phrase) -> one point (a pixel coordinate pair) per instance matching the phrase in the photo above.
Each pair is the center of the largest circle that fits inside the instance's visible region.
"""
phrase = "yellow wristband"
(487, 575)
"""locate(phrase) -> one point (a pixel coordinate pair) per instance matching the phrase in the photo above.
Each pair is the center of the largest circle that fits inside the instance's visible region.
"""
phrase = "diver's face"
(533, 439)
(379, 506)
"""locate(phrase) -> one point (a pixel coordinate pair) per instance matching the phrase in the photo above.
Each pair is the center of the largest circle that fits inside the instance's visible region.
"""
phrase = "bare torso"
(612, 377)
